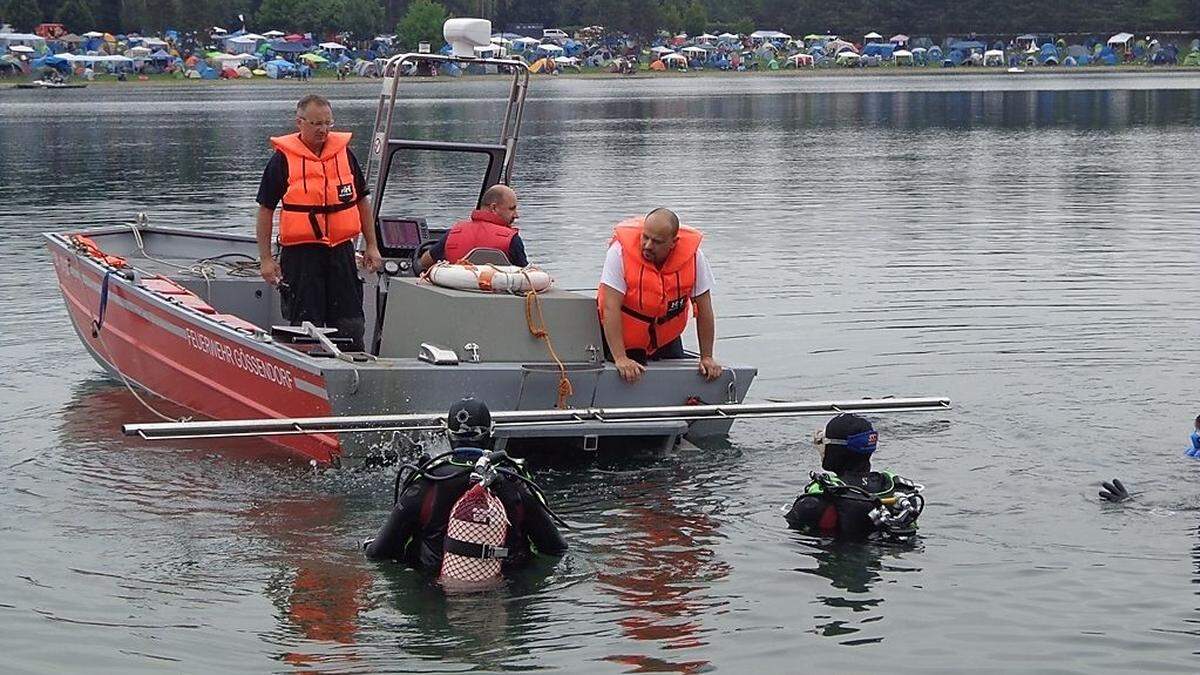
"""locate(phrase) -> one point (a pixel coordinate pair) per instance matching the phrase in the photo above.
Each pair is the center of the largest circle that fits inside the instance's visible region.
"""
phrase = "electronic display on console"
(399, 237)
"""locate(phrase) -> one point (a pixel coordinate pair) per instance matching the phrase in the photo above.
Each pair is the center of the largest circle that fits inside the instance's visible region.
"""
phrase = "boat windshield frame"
(384, 146)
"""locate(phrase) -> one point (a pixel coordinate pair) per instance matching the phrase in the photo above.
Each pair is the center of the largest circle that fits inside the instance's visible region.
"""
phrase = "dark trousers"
(321, 285)
(671, 350)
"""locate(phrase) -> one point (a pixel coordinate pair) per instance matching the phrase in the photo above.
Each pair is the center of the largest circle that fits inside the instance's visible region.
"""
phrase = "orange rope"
(532, 303)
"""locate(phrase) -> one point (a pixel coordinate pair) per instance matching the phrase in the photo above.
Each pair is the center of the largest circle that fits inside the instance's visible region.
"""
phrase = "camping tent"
(543, 65)
(883, 50)
(900, 40)
(674, 60)
(1120, 40)
(279, 68)
(993, 57)
(903, 57)
(847, 58)
(801, 60)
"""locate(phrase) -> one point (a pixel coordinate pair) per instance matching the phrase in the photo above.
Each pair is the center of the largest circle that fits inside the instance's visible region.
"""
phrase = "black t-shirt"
(275, 180)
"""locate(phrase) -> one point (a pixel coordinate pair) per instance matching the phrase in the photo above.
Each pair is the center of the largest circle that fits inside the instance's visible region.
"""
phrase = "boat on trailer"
(184, 315)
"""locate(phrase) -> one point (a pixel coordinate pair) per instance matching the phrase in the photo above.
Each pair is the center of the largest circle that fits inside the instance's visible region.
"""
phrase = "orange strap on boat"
(534, 303)
(485, 276)
(89, 248)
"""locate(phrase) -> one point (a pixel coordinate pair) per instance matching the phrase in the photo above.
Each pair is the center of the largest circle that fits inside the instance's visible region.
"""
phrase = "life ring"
(465, 276)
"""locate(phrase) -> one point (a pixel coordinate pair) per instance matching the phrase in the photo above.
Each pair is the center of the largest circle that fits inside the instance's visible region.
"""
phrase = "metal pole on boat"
(517, 418)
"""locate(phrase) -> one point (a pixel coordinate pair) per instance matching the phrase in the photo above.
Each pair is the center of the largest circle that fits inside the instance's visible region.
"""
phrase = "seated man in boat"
(317, 178)
(489, 227)
(850, 500)
(466, 519)
(653, 273)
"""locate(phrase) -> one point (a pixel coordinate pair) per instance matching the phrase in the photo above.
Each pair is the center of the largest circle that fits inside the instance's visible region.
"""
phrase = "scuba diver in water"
(848, 499)
(469, 514)
(1116, 492)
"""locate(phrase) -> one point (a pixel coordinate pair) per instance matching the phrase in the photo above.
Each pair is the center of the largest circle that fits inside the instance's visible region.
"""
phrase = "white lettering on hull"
(235, 356)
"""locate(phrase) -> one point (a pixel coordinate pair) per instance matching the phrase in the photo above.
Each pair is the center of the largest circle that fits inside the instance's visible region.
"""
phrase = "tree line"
(365, 18)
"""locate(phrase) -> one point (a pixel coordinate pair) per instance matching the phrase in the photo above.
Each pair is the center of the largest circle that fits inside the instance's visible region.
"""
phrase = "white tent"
(93, 34)
(528, 41)
(694, 50)
(660, 50)
(728, 36)
(872, 36)
(993, 57)
(234, 58)
(332, 46)
(549, 48)
(21, 49)
(899, 38)
(273, 34)
(674, 58)
(566, 60)
(1120, 38)
(705, 37)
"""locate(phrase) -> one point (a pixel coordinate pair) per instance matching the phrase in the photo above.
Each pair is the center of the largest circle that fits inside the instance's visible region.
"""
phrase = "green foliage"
(22, 14)
(422, 23)
(361, 18)
(76, 15)
(695, 19)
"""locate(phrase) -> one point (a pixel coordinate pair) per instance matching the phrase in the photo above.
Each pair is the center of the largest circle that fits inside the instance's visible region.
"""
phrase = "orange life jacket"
(657, 299)
(484, 230)
(321, 202)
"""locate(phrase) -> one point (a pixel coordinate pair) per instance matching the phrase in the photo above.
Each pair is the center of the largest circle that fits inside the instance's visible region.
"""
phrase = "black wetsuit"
(842, 510)
(415, 532)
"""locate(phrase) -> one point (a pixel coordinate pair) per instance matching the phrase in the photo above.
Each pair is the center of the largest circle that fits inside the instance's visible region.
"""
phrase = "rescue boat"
(183, 315)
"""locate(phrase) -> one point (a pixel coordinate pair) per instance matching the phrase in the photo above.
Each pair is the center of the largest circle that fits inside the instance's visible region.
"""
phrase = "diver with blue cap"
(850, 500)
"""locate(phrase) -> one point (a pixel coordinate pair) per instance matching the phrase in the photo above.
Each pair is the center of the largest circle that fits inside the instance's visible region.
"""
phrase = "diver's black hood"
(838, 458)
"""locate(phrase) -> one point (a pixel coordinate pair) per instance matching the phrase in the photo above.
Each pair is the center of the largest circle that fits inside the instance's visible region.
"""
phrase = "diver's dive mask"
(863, 443)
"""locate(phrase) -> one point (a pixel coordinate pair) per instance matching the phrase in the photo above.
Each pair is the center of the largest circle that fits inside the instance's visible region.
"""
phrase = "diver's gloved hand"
(1114, 491)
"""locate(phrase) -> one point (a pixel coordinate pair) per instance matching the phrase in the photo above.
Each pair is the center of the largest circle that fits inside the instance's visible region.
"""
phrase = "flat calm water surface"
(1028, 246)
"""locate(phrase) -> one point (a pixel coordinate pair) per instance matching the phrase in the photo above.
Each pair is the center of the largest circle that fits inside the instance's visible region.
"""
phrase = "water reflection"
(661, 574)
(318, 586)
(854, 568)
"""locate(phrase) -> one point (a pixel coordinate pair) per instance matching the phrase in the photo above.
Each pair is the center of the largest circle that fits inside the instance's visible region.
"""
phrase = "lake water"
(1026, 245)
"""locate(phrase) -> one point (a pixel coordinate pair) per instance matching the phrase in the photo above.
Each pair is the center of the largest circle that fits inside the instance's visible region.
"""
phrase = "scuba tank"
(895, 510)
(475, 535)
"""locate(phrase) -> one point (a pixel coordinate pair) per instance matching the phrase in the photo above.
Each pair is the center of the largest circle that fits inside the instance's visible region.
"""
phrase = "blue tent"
(955, 57)
(56, 62)
(934, 54)
(881, 49)
(1108, 57)
(160, 55)
(968, 46)
(278, 68)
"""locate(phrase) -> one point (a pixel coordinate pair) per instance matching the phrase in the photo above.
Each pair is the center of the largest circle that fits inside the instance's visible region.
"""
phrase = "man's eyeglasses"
(318, 123)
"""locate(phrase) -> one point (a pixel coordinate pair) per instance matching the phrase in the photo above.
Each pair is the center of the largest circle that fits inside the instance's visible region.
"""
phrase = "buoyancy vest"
(320, 204)
(485, 229)
(657, 298)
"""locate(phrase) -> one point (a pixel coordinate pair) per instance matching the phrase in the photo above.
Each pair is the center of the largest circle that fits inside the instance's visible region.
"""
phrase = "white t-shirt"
(613, 275)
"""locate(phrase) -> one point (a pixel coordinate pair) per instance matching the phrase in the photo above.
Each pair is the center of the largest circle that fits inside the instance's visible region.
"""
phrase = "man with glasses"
(653, 273)
(324, 209)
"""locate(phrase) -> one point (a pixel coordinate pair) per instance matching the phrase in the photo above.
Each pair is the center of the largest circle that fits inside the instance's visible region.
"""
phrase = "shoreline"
(884, 71)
